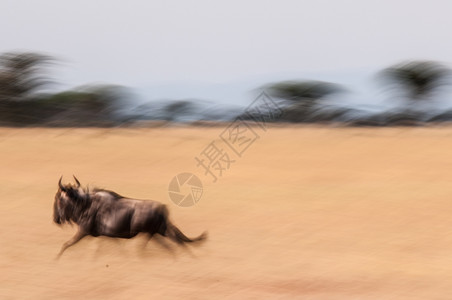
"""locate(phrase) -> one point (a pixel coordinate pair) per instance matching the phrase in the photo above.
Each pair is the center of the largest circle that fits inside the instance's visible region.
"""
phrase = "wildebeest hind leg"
(163, 243)
(146, 238)
(77, 237)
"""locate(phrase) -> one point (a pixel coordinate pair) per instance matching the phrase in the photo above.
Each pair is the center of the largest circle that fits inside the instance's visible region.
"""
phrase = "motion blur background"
(344, 194)
(199, 60)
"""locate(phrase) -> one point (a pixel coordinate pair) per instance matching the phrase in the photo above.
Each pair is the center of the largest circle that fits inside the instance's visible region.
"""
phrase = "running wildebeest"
(105, 213)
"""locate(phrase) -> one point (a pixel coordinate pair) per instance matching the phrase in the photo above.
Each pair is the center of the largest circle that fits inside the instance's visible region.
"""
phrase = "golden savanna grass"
(306, 212)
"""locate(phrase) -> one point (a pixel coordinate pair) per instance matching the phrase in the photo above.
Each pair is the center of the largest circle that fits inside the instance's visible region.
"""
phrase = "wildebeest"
(105, 213)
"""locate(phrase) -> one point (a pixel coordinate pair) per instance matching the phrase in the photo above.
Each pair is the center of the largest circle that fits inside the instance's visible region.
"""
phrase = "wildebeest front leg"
(77, 237)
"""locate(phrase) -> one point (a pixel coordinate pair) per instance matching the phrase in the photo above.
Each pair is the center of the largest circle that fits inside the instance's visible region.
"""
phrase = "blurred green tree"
(417, 79)
(22, 74)
(302, 97)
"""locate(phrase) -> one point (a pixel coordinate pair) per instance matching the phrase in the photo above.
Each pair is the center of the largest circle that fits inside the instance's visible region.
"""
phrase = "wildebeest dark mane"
(113, 194)
(78, 202)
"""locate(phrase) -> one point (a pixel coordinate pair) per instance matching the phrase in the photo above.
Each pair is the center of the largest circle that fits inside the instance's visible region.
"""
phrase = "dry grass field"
(305, 213)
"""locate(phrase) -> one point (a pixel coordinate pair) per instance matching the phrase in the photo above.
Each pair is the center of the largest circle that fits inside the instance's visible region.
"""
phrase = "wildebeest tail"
(176, 235)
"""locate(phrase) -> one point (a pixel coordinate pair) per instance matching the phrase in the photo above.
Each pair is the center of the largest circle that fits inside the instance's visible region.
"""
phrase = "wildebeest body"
(106, 213)
(126, 218)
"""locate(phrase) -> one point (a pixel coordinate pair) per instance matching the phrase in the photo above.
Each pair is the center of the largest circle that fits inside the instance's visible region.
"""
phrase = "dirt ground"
(304, 213)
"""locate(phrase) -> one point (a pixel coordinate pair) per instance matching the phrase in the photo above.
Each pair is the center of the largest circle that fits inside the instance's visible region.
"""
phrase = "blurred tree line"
(412, 83)
(23, 100)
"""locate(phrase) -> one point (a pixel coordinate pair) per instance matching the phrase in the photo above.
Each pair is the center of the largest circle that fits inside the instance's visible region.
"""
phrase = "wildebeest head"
(70, 200)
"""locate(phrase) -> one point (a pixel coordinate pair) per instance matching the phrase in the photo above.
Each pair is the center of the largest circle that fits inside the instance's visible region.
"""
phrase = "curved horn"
(60, 185)
(76, 180)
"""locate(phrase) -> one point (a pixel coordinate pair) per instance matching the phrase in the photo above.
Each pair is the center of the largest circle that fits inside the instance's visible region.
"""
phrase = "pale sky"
(143, 43)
